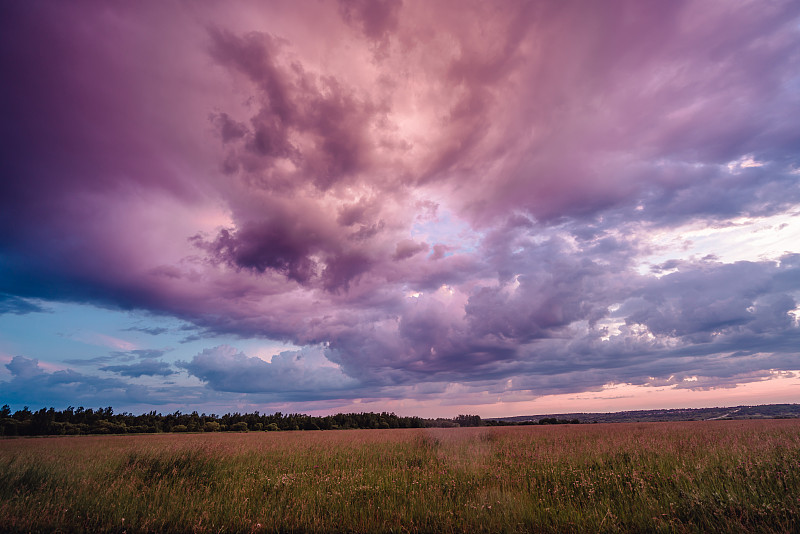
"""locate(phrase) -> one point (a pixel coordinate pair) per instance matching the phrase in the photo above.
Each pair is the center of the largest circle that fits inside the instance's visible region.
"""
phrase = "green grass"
(728, 476)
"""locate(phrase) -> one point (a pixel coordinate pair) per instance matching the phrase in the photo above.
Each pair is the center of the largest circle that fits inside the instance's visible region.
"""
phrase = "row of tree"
(74, 421)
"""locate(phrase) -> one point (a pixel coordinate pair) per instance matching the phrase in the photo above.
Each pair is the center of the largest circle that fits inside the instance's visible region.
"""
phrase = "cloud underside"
(415, 206)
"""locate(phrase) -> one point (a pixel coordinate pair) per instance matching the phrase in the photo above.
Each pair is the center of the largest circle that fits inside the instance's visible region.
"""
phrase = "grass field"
(728, 476)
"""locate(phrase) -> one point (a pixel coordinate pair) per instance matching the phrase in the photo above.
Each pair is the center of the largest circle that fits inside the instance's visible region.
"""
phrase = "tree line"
(78, 421)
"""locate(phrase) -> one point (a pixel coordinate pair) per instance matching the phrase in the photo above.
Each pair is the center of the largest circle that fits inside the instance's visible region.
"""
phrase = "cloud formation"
(67, 387)
(418, 194)
(305, 375)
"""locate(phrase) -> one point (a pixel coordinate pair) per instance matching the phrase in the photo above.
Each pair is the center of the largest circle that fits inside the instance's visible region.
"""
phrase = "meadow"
(721, 476)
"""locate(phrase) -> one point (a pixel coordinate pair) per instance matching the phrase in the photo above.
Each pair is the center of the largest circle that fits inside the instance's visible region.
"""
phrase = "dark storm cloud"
(270, 245)
(435, 192)
(85, 131)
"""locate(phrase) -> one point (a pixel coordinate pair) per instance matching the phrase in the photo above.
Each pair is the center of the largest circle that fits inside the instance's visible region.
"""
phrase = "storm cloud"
(417, 194)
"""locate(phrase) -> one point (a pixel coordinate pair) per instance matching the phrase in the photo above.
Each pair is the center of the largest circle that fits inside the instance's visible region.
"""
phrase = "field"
(728, 476)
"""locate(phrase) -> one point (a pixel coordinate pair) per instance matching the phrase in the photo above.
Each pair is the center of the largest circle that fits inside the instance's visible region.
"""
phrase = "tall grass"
(649, 477)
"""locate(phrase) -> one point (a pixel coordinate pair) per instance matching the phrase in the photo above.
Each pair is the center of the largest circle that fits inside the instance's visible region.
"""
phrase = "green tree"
(211, 426)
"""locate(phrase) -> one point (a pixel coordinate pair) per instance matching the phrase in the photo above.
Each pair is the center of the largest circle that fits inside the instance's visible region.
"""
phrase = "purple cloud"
(429, 206)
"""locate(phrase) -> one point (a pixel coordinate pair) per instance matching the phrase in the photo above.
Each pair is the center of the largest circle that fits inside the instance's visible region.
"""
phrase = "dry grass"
(728, 476)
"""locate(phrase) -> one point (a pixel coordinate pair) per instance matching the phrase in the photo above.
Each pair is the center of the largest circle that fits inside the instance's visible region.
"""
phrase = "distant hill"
(764, 411)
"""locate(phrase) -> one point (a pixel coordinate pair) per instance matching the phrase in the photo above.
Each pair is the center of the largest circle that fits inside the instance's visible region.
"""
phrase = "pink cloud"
(295, 174)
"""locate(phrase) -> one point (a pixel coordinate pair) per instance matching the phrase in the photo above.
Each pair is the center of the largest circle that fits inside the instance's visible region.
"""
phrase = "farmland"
(669, 477)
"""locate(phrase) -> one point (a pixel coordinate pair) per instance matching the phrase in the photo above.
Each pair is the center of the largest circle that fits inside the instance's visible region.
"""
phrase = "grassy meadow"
(725, 476)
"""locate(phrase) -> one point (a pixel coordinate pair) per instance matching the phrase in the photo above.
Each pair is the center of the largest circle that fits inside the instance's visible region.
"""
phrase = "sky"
(430, 208)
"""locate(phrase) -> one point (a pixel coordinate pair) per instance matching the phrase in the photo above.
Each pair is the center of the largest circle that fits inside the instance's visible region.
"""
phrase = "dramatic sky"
(427, 207)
